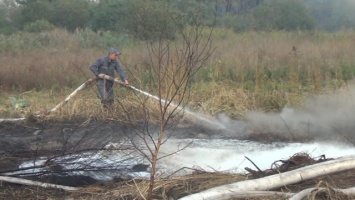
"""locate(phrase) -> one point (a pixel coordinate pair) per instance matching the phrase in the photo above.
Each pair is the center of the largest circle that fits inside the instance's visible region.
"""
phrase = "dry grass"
(177, 187)
(296, 53)
(164, 188)
(48, 70)
(247, 71)
(213, 98)
(85, 104)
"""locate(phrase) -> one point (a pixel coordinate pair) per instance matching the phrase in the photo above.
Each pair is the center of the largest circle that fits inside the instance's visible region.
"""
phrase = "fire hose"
(133, 88)
(86, 83)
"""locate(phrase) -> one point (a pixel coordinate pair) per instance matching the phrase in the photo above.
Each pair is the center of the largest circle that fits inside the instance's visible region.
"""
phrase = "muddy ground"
(26, 141)
(30, 140)
(23, 140)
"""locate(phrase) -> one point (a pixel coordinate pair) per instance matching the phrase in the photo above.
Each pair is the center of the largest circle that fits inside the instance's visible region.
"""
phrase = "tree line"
(144, 19)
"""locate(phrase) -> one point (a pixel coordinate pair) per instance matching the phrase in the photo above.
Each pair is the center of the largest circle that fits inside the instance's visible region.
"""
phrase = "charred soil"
(21, 142)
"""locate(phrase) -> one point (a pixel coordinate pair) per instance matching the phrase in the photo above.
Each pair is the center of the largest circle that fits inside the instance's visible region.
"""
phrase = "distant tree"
(70, 14)
(235, 7)
(202, 10)
(62, 13)
(141, 19)
(281, 15)
(8, 3)
(5, 27)
(243, 6)
(32, 11)
(23, 2)
(107, 15)
(341, 14)
(332, 15)
(7, 8)
(39, 26)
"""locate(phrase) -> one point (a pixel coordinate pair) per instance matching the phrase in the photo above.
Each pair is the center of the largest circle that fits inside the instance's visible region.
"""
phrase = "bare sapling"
(170, 66)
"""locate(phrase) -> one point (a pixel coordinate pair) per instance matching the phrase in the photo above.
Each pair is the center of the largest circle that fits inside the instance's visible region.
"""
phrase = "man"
(106, 66)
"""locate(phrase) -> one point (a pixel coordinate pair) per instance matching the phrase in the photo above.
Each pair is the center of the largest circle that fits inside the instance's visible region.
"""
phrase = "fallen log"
(35, 183)
(277, 180)
(304, 193)
(12, 119)
(254, 194)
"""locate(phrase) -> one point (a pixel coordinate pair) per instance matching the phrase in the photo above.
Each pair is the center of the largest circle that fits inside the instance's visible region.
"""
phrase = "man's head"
(112, 53)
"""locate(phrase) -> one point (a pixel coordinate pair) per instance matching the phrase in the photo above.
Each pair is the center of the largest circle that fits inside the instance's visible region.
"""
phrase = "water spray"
(200, 117)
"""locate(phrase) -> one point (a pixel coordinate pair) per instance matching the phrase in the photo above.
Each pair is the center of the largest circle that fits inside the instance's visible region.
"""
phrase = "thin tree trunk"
(35, 183)
(277, 180)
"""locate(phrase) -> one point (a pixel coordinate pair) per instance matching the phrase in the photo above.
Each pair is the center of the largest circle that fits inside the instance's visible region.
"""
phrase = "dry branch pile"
(296, 161)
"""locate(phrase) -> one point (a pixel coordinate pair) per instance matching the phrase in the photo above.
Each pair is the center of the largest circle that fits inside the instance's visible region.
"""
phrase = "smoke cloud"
(325, 117)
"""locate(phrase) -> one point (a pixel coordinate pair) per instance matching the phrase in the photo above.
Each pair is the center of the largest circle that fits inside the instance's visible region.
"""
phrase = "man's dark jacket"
(105, 66)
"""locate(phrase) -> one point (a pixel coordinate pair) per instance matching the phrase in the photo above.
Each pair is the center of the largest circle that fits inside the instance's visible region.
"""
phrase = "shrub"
(39, 26)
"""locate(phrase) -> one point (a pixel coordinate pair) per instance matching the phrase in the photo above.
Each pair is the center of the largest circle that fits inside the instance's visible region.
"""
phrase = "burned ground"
(26, 141)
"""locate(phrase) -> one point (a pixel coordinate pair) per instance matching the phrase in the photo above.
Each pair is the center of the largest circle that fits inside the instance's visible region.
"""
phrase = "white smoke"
(329, 116)
(324, 117)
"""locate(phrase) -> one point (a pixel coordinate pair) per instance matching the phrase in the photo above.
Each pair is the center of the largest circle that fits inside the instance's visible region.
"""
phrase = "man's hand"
(126, 82)
(101, 75)
(92, 79)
